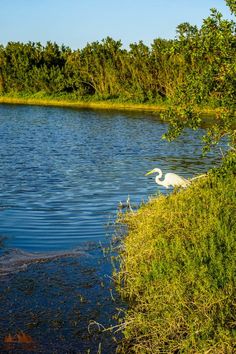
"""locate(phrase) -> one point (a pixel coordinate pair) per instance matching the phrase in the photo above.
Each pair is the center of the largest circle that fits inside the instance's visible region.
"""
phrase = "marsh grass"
(42, 98)
(178, 269)
(70, 100)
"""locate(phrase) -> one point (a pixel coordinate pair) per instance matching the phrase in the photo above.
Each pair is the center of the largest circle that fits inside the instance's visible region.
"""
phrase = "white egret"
(171, 179)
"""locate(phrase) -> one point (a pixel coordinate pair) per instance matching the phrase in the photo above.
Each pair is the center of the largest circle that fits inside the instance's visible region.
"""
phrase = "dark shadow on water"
(57, 303)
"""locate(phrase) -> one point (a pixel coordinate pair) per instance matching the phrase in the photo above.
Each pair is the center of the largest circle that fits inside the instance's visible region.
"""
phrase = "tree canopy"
(232, 6)
(209, 56)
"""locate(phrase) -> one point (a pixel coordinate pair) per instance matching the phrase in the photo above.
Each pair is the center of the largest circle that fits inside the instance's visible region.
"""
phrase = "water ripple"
(63, 172)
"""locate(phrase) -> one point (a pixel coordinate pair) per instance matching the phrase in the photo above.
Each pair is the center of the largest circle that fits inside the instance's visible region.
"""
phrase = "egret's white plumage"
(171, 179)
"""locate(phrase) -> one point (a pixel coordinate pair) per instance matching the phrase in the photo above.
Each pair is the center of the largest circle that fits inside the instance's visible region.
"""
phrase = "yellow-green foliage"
(178, 269)
(41, 99)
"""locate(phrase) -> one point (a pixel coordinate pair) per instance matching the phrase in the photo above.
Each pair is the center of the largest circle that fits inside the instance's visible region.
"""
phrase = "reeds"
(67, 101)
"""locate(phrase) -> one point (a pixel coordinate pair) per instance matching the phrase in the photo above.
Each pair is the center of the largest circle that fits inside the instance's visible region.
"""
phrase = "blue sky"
(77, 22)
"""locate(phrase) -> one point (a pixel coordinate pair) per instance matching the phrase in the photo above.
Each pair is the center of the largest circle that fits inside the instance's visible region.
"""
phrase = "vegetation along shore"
(189, 74)
(46, 100)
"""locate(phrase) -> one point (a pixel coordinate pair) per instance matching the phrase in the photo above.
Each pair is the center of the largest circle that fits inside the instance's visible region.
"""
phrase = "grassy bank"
(178, 269)
(41, 99)
(63, 101)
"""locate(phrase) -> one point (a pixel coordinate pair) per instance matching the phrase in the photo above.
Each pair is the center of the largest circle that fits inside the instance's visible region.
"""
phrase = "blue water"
(63, 171)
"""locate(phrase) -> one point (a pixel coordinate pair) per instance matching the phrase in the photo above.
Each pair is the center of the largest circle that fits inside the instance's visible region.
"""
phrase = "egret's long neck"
(158, 181)
(158, 177)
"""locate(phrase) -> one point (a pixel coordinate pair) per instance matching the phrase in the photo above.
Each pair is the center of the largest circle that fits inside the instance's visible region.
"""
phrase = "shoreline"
(81, 104)
(104, 105)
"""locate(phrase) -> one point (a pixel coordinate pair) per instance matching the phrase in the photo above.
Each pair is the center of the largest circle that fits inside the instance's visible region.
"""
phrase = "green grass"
(178, 269)
(93, 102)
(44, 99)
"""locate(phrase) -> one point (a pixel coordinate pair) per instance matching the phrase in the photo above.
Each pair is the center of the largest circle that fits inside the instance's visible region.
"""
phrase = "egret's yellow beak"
(148, 173)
